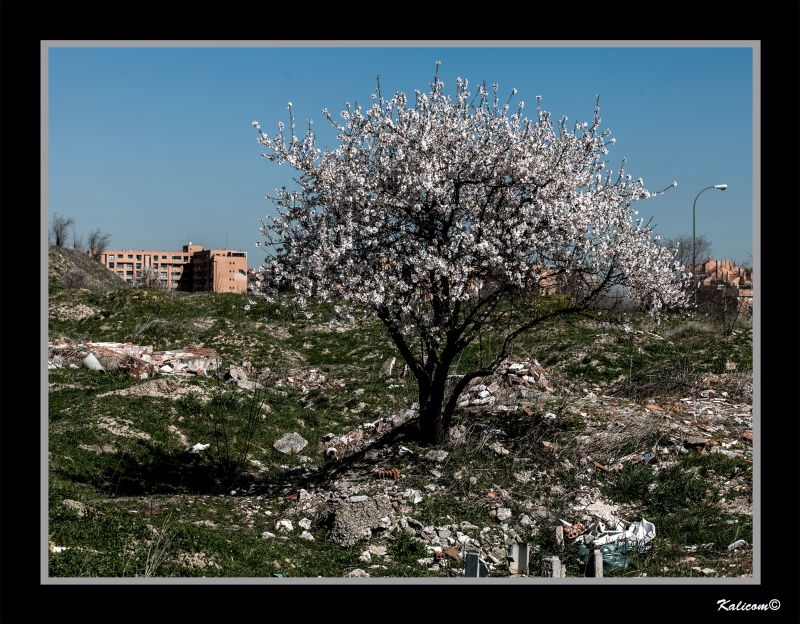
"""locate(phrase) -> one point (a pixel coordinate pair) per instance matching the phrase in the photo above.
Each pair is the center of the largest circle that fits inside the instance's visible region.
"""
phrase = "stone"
(81, 509)
(375, 549)
(444, 533)
(305, 523)
(366, 557)
(502, 513)
(284, 525)
(498, 448)
(357, 573)
(695, 441)
(352, 522)
(290, 443)
(436, 455)
(457, 433)
(267, 535)
(358, 499)
(307, 536)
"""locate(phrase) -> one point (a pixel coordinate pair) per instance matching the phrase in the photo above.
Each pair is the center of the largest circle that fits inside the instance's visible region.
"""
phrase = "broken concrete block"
(551, 567)
(352, 522)
(290, 443)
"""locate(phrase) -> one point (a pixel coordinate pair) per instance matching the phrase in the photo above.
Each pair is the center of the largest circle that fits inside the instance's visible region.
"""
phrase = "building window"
(163, 274)
(110, 265)
(138, 265)
(155, 266)
(186, 258)
(119, 273)
(138, 257)
(128, 273)
(176, 272)
(130, 256)
(163, 257)
(176, 257)
(111, 257)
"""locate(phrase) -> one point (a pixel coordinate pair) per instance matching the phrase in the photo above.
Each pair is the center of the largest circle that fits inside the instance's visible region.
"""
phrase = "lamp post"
(721, 187)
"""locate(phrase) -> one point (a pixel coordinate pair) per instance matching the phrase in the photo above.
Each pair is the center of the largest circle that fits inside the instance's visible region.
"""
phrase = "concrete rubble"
(137, 361)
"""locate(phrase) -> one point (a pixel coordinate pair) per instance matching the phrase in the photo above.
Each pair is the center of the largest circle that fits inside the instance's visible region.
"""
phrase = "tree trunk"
(431, 409)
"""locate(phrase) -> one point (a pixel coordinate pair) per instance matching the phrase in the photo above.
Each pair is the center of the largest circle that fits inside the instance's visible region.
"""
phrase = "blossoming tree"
(450, 217)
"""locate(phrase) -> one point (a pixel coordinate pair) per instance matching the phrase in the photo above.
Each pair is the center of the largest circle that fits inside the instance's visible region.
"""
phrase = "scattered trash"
(574, 530)
(403, 450)
(90, 362)
(277, 575)
(394, 473)
(197, 448)
(475, 566)
(737, 544)
(518, 558)
(453, 552)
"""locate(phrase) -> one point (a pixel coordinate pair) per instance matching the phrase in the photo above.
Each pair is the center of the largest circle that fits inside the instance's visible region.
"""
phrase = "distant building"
(724, 275)
(192, 269)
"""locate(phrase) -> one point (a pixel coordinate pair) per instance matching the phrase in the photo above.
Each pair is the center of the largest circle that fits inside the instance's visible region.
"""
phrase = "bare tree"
(77, 241)
(97, 243)
(147, 277)
(60, 228)
(702, 249)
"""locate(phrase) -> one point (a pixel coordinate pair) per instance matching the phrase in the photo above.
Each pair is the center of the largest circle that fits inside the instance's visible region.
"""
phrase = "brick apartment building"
(724, 275)
(192, 269)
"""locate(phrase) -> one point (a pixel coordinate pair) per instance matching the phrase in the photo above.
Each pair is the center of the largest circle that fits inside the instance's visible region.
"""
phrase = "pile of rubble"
(137, 361)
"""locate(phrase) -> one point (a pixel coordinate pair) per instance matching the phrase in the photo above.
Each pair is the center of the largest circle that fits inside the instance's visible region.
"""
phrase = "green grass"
(147, 469)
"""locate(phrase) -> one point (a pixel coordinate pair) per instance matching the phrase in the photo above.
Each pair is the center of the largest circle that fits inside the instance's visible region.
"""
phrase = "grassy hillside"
(69, 268)
(139, 505)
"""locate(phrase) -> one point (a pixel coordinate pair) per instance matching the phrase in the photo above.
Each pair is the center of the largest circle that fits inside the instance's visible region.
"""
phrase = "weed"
(405, 549)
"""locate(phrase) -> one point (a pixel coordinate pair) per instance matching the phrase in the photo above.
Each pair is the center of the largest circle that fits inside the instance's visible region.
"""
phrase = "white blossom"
(426, 215)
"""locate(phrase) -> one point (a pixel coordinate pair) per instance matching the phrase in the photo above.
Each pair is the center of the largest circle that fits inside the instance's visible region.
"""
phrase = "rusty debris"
(549, 447)
(494, 494)
(453, 552)
(394, 473)
(574, 531)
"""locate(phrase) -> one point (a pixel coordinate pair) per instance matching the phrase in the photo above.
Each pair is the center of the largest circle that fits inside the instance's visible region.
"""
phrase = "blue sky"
(154, 145)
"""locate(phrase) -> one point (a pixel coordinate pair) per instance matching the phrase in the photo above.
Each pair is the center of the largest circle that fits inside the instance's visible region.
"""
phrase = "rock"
(502, 513)
(366, 557)
(290, 443)
(695, 441)
(498, 448)
(284, 525)
(436, 455)
(80, 508)
(523, 476)
(235, 374)
(457, 433)
(305, 523)
(352, 522)
(267, 535)
(377, 550)
(444, 533)
(357, 573)
(358, 499)
(307, 536)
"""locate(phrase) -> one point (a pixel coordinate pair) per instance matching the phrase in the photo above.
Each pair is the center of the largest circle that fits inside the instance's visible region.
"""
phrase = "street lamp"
(721, 187)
